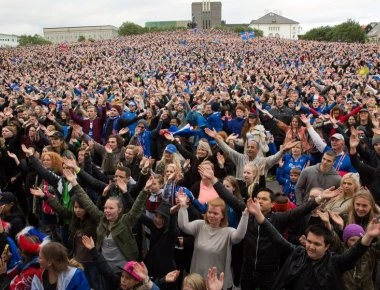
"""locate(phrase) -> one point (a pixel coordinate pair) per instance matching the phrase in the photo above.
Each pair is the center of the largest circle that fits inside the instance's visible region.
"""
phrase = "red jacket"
(97, 124)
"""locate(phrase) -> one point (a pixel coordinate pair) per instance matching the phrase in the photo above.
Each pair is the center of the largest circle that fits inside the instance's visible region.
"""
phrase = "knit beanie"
(352, 230)
(375, 139)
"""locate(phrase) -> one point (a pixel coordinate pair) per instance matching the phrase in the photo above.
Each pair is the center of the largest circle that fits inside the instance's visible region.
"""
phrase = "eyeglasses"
(140, 127)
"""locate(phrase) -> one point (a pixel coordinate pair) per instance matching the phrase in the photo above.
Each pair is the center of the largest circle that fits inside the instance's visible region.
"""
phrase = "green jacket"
(122, 229)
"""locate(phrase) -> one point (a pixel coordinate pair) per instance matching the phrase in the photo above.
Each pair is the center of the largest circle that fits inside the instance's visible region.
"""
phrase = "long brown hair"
(56, 254)
(365, 194)
(235, 184)
(246, 127)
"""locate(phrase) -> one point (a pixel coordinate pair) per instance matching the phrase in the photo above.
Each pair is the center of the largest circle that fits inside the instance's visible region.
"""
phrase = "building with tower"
(206, 14)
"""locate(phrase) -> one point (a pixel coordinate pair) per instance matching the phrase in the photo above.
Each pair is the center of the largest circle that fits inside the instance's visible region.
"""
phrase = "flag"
(247, 35)
(376, 78)
(363, 71)
(183, 42)
(63, 47)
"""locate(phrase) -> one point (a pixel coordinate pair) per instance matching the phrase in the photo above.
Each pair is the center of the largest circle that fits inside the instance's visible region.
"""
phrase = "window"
(270, 35)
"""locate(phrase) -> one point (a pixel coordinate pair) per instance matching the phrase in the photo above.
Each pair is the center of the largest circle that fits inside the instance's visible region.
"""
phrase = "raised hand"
(329, 193)
(108, 148)
(354, 139)
(88, 242)
(169, 136)
(140, 270)
(221, 159)
(149, 183)
(12, 155)
(70, 176)
(123, 131)
(337, 219)
(182, 197)
(290, 144)
(253, 207)
(207, 173)
(121, 184)
(28, 151)
(305, 119)
(213, 282)
(373, 228)
(37, 192)
(302, 240)
(172, 276)
(211, 133)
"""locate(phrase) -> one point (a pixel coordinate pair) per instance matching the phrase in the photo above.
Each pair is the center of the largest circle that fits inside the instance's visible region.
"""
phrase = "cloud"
(29, 17)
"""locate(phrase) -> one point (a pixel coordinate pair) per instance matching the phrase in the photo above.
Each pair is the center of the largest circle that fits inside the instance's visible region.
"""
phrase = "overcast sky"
(30, 16)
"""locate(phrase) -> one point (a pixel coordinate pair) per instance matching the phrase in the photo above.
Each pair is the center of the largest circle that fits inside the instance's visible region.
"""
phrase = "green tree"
(130, 28)
(319, 33)
(32, 40)
(349, 31)
(81, 38)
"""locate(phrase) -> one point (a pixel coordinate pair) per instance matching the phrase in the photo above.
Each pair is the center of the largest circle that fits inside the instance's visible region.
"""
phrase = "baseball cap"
(337, 136)
(57, 135)
(171, 148)
(129, 268)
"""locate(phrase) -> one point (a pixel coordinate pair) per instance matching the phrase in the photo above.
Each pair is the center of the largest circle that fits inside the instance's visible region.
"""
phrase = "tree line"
(349, 31)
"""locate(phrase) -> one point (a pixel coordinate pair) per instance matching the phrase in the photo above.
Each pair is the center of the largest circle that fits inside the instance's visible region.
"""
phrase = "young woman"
(349, 186)
(57, 271)
(80, 224)
(362, 209)
(170, 156)
(114, 229)
(295, 159)
(252, 129)
(213, 238)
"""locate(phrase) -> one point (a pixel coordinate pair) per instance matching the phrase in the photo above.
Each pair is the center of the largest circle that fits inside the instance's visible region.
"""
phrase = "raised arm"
(83, 198)
(319, 143)
(239, 233)
(253, 207)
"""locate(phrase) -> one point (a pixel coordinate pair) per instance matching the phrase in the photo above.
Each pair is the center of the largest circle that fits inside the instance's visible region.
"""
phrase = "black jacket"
(260, 253)
(326, 273)
(160, 258)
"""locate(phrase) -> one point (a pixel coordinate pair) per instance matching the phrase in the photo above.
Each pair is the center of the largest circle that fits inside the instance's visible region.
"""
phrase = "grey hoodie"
(312, 177)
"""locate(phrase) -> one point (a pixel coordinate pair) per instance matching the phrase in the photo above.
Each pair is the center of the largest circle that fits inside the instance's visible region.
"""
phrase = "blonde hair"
(195, 282)
(204, 145)
(355, 179)
(218, 202)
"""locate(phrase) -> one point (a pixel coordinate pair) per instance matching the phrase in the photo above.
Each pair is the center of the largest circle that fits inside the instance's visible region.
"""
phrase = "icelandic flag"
(247, 35)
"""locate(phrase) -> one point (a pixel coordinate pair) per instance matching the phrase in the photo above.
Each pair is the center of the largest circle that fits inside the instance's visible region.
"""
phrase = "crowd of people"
(148, 162)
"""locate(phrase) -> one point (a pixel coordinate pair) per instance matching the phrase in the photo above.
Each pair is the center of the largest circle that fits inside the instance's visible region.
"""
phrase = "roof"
(273, 18)
(374, 31)
(86, 26)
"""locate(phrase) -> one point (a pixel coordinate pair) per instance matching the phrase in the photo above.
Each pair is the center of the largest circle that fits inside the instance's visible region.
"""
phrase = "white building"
(8, 40)
(374, 34)
(274, 25)
(71, 34)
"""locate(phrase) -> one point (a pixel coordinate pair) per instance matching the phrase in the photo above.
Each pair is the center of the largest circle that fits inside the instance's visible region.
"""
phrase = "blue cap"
(171, 148)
